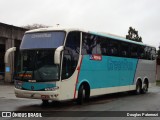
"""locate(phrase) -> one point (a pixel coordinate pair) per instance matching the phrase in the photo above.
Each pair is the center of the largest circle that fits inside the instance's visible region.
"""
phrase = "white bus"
(64, 64)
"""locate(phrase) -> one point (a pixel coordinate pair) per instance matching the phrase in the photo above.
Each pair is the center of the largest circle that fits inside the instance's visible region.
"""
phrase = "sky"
(111, 16)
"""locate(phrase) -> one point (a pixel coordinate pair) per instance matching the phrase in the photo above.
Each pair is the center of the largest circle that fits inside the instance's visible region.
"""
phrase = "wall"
(158, 72)
(9, 34)
(158, 68)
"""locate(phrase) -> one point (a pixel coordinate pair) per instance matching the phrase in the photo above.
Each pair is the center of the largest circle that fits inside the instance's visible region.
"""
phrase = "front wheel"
(82, 95)
(45, 102)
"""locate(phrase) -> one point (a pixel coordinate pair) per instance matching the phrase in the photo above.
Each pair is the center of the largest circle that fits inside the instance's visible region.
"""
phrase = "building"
(158, 69)
(10, 36)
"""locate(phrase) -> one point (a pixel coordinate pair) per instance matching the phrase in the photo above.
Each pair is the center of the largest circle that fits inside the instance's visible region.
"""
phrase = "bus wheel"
(145, 88)
(81, 95)
(45, 102)
(138, 88)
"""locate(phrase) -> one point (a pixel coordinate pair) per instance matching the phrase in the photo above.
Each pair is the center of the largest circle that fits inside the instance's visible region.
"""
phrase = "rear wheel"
(145, 88)
(138, 88)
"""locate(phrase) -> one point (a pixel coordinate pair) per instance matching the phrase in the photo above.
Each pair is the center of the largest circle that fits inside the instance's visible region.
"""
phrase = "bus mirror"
(8, 53)
(57, 54)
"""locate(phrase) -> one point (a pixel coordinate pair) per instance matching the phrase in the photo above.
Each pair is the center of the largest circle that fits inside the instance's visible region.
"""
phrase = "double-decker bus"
(64, 64)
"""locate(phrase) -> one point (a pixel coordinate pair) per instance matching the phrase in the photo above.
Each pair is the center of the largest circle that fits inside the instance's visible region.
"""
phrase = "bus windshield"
(43, 40)
(36, 60)
(37, 65)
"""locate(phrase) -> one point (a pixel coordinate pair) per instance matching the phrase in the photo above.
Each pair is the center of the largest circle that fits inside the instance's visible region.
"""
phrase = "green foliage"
(133, 35)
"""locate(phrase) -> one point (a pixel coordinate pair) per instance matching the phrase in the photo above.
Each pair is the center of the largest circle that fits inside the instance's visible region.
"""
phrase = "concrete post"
(9, 67)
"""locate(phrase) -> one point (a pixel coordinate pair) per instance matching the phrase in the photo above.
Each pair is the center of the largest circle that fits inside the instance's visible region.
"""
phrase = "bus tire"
(45, 102)
(138, 88)
(83, 95)
(145, 87)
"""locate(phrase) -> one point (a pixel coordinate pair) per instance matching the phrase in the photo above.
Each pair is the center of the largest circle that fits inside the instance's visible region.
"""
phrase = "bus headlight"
(51, 89)
(18, 84)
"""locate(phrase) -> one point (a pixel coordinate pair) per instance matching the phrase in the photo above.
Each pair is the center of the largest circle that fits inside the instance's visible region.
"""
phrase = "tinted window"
(71, 54)
(124, 52)
(104, 46)
(148, 53)
(113, 48)
(91, 44)
(88, 44)
(134, 51)
(98, 45)
(42, 40)
(153, 53)
(141, 52)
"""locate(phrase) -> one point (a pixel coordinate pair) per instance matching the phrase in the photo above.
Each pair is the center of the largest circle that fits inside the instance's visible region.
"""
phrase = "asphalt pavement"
(113, 102)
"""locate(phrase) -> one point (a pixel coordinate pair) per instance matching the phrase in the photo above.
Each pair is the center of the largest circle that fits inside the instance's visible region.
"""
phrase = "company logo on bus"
(96, 57)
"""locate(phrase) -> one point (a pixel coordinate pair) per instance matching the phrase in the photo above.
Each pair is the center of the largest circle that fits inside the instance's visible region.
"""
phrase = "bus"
(73, 64)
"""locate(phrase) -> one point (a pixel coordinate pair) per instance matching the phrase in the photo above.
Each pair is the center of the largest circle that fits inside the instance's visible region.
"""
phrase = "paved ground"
(114, 102)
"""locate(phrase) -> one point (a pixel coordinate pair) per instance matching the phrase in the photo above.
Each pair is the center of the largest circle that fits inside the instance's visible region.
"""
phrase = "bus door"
(71, 54)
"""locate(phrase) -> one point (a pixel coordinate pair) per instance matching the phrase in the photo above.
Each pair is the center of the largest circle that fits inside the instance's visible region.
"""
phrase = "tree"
(158, 58)
(34, 26)
(158, 52)
(133, 35)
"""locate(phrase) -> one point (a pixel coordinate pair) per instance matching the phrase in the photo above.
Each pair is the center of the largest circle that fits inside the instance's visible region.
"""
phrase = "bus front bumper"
(45, 95)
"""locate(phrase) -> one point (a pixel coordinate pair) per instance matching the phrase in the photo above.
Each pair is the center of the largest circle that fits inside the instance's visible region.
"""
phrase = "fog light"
(56, 95)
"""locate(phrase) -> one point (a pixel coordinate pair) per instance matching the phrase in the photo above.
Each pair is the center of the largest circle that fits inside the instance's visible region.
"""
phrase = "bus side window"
(134, 51)
(67, 66)
(90, 44)
(71, 54)
(153, 53)
(87, 43)
(113, 48)
(84, 44)
(148, 53)
(141, 52)
(103, 46)
(93, 44)
(98, 45)
(124, 49)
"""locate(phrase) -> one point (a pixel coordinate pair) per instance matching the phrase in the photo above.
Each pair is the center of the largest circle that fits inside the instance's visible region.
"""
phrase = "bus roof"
(112, 36)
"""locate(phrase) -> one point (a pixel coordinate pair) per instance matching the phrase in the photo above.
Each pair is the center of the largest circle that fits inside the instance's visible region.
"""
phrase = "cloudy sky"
(113, 16)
